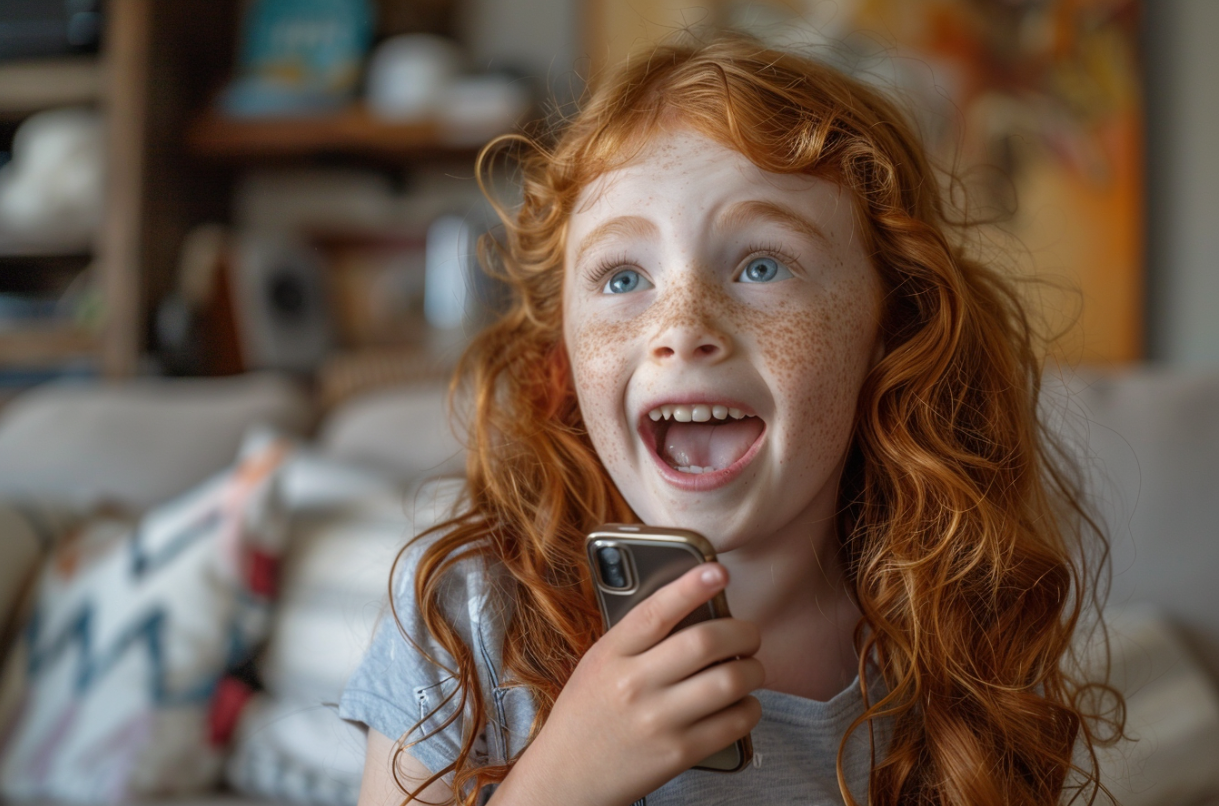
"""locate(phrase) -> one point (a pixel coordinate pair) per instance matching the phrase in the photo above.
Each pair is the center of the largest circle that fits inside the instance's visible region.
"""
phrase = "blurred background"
(201, 188)
(237, 264)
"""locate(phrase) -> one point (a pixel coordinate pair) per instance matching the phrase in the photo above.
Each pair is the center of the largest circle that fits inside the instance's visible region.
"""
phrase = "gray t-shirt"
(396, 686)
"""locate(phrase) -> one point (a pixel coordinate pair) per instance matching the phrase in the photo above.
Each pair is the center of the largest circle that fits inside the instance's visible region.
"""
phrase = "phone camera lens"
(613, 569)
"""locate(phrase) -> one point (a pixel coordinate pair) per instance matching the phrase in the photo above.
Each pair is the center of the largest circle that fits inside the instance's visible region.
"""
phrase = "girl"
(736, 308)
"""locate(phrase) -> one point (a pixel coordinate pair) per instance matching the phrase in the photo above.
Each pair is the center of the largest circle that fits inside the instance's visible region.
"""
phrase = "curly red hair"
(967, 545)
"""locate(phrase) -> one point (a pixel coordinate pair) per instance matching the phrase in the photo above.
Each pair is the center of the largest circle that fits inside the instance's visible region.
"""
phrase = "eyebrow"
(630, 226)
(743, 212)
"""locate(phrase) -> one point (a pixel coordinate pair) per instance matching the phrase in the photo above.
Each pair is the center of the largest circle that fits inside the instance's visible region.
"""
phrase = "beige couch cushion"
(403, 431)
(138, 443)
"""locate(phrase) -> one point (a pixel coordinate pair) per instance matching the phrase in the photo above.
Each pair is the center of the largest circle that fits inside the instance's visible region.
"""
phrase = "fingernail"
(712, 576)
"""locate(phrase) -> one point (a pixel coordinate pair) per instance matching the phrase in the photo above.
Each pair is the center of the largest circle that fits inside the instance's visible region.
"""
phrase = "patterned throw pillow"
(133, 628)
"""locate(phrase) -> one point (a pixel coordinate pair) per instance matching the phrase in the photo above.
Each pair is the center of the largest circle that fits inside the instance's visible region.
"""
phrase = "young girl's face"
(720, 321)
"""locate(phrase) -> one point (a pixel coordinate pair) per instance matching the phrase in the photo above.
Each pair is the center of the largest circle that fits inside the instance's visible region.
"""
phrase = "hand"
(643, 706)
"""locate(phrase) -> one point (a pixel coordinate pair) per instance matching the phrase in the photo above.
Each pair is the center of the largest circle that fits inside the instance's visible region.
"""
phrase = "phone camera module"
(612, 563)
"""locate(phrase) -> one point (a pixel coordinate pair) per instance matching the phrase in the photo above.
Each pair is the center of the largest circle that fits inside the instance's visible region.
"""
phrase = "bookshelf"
(110, 82)
(143, 81)
(174, 163)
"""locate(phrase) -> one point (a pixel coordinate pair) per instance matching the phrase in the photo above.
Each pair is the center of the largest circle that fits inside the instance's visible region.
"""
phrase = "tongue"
(710, 446)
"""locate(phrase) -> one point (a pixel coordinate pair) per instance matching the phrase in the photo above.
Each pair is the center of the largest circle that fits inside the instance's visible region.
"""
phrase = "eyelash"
(603, 268)
(773, 251)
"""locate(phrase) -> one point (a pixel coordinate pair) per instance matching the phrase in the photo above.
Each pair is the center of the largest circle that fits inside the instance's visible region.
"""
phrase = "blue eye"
(625, 281)
(764, 270)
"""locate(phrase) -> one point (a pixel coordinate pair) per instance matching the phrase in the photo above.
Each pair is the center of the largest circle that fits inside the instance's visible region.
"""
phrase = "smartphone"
(629, 563)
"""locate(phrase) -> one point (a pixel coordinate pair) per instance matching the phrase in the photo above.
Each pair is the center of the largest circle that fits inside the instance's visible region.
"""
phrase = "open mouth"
(701, 438)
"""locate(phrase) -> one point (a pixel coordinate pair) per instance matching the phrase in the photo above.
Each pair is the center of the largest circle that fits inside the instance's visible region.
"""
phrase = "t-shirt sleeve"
(405, 690)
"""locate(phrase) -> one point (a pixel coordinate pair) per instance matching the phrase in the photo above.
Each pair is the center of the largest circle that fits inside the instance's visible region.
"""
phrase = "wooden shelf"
(28, 86)
(351, 132)
(36, 346)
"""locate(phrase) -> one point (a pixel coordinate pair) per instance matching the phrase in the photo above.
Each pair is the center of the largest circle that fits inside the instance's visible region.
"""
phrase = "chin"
(716, 520)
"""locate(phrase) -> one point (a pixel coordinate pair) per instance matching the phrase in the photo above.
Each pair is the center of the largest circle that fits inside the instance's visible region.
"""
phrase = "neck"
(793, 587)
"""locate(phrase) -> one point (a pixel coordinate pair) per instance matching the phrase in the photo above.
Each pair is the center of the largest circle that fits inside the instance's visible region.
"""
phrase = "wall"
(1182, 63)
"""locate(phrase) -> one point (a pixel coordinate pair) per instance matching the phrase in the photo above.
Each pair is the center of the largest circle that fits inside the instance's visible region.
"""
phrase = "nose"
(691, 337)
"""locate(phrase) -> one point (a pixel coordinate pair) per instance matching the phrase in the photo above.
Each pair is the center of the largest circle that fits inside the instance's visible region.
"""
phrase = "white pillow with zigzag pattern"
(133, 629)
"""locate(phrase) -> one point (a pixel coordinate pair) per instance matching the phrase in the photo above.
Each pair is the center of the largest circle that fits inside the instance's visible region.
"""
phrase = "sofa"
(227, 536)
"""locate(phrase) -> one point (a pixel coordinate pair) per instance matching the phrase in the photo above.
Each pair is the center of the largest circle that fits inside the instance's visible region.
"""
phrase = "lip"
(701, 482)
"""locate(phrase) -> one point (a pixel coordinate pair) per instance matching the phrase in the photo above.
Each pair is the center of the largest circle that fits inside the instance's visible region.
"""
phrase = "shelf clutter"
(348, 254)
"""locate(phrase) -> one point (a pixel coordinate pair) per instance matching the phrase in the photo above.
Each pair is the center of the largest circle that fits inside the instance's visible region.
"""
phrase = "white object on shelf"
(408, 76)
(445, 286)
(51, 194)
(477, 108)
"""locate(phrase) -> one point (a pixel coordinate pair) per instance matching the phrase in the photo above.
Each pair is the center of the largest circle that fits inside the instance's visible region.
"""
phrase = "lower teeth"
(696, 470)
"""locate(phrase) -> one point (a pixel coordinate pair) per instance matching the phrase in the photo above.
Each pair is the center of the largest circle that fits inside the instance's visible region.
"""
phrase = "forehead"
(682, 175)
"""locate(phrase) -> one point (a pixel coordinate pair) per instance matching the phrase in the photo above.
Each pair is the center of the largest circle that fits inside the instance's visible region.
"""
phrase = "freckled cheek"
(816, 357)
(599, 365)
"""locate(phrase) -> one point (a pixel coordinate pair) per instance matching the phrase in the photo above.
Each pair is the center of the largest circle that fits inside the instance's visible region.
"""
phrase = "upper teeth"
(698, 413)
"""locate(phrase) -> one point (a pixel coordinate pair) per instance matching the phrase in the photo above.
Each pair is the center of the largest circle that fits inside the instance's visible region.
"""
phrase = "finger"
(714, 733)
(714, 689)
(654, 618)
(694, 648)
